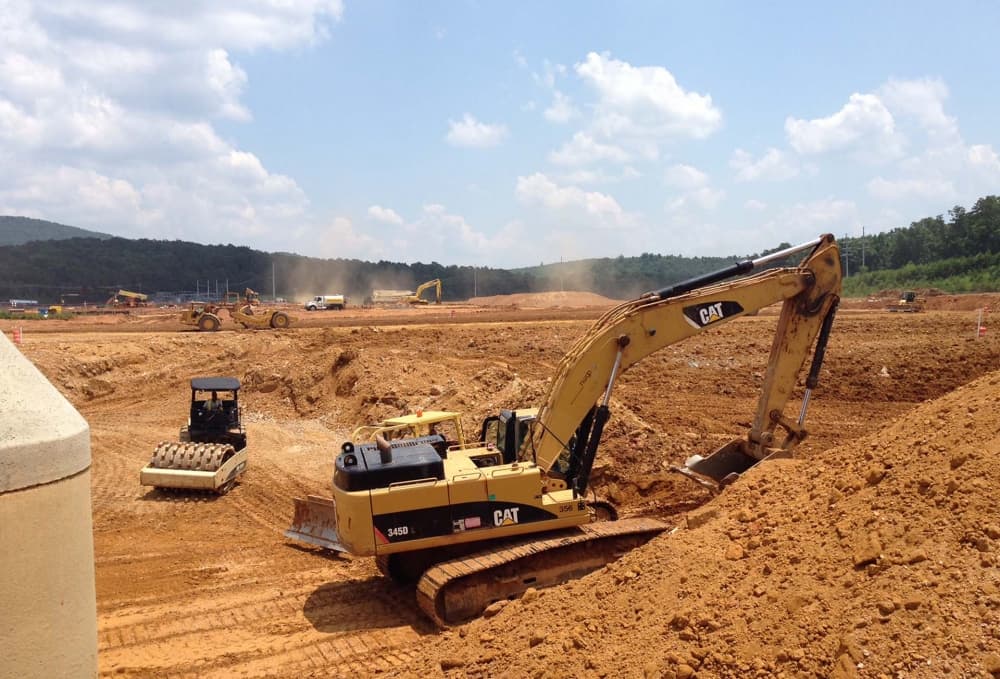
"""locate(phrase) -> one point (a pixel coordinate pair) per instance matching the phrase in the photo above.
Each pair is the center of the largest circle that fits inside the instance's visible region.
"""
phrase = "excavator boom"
(633, 330)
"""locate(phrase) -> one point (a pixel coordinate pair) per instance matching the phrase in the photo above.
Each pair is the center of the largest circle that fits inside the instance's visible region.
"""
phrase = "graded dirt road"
(873, 554)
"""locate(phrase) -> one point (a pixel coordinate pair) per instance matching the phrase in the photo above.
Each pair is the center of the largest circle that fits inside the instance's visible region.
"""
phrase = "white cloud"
(983, 156)
(754, 204)
(538, 189)
(550, 73)
(831, 215)
(469, 132)
(385, 215)
(922, 100)
(236, 24)
(587, 176)
(704, 198)
(863, 119)
(339, 238)
(773, 165)
(227, 82)
(685, 177)
(645, 102)
(107, 111)
(561, 110)
(584, 150)
(897, 189)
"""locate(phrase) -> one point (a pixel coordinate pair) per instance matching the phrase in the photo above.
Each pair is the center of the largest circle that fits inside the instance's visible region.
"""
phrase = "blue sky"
(500, 134)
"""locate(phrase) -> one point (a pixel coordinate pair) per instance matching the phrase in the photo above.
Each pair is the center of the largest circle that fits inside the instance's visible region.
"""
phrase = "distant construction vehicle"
(337, 302)
(415, 297)
(212, 451)
(127, 298)
(390, 297)
(205, 315)
(909, 302)
(402, 298)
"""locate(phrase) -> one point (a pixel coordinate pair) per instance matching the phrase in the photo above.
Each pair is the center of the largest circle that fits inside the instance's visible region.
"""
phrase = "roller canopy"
(215, 384)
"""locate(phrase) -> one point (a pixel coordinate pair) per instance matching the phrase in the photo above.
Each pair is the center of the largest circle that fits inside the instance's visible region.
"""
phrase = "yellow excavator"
(476, 523)
(415, 298)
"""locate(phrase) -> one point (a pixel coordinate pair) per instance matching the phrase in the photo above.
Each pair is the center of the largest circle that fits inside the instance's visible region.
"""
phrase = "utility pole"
(274, 294)
(475, 282)
(862, 247)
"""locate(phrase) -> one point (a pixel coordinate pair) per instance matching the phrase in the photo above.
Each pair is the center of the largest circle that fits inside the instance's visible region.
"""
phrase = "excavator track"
(206, 457)
(453, 591)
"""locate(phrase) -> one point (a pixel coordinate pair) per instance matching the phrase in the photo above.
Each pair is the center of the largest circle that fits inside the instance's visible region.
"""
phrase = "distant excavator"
(415, 298)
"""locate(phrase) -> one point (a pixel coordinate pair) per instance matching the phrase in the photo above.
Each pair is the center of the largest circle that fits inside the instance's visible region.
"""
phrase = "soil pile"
(880, 558)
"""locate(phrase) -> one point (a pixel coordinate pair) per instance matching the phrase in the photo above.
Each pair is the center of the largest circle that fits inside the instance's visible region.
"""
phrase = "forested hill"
(957, 254)
(19, 230)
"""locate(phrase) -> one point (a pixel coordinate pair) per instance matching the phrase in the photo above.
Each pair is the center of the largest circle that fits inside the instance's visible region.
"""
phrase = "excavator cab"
(507, 431)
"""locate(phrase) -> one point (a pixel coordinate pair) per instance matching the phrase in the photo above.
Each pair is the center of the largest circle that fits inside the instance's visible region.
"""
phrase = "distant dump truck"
(391, 297)
(337, 302)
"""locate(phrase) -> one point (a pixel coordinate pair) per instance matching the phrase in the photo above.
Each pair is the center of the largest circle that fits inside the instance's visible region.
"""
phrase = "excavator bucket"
(723, 466)
(315, 522)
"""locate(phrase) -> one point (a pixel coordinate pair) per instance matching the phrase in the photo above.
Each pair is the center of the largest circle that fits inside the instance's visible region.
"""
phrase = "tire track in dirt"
(290, 625)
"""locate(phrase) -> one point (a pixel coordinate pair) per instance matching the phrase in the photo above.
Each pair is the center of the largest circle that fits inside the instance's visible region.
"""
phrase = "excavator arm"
(575, 408)
(436, 284)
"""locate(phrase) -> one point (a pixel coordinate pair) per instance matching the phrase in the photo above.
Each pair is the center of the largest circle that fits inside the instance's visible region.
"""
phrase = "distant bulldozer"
(205, 315)
(909, 302)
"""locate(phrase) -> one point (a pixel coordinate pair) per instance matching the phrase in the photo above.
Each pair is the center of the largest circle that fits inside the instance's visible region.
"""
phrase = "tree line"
(957, 254)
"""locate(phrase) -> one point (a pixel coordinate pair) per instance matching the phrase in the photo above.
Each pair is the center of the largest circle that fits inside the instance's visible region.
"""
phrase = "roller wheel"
(225, 487)
(208, 323)
(280, 320)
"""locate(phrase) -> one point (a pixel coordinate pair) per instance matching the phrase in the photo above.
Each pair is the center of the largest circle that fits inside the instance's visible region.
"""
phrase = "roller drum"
(206, 457)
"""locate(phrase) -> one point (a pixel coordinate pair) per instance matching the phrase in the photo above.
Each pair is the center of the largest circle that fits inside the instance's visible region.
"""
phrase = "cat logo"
(505, 517)
(701, 315)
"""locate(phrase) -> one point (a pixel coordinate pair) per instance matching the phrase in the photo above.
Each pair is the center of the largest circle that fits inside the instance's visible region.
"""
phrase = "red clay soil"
(876, 553)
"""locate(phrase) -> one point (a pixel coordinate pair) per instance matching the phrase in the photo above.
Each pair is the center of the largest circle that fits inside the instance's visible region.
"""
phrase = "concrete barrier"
(48, 610)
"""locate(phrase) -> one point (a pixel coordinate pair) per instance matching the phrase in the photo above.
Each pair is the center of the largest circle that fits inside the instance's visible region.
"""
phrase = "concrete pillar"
(48, 604)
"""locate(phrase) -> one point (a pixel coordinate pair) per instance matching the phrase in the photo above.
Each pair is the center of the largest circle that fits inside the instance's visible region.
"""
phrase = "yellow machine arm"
(577, 400)
(436, 283)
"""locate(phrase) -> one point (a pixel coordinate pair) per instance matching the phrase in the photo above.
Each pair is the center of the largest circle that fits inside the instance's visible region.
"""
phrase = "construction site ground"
(874, 553)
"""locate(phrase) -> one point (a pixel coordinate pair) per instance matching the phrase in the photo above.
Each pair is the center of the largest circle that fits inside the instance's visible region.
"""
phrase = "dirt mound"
(875, 559)
(545, 300)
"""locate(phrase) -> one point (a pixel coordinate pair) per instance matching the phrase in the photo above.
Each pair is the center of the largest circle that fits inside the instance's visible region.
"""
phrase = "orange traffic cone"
(17, 335)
